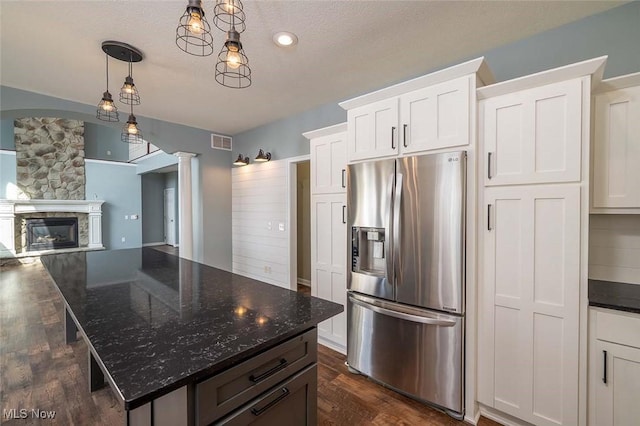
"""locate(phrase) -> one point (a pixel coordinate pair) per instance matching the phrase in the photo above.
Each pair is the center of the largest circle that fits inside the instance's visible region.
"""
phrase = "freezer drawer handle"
(344, 216)
(404, 134)
(283, 395)
(404, 316)
(270, 372)
(344, 183)
(604, 357)
(393, 140)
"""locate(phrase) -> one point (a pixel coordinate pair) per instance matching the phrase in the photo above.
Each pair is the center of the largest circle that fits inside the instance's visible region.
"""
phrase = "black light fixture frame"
(103, 113)
(241, 161)
(262, 157)
(226, 19)
(189, 42)
(235, 78)
(126, 53)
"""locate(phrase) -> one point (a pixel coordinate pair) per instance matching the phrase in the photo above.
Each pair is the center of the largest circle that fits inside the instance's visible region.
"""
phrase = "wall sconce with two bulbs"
(262, 157)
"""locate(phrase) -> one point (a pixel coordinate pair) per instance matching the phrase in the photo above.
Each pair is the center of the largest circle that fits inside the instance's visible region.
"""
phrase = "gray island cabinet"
(181, 343)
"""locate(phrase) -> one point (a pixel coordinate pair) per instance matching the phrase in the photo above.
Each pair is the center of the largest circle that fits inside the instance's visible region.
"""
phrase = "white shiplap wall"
(614, 248)
(260, 194)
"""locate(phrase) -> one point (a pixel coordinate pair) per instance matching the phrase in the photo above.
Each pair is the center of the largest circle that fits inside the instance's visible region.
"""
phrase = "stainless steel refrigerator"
(406, 304)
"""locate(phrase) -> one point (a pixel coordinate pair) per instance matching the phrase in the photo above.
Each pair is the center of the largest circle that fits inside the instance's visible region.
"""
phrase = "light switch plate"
(281, 226)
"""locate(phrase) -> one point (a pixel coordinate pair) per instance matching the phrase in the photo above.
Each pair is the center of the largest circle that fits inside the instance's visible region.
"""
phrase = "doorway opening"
(303, 226)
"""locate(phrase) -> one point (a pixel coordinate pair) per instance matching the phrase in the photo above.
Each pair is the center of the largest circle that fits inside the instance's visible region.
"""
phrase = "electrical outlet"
(269, 226)
(123, 239)
(108, 152)
(126, 217)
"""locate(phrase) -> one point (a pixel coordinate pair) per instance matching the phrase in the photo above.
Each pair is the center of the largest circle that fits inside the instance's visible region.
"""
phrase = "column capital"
(182, 154)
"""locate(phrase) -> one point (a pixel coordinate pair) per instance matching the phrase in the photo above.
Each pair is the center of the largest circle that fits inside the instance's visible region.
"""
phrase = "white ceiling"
(345, 48)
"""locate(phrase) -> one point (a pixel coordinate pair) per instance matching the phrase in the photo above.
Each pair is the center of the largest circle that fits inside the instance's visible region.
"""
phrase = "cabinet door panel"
(530, 304)
(373, 130)
(534, 136)
(435, 117)
(328, 260)
(616, 401)
(616, 175)
(328, 162)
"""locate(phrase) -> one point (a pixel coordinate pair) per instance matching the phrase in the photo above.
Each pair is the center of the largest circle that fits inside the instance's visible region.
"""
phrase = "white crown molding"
(325, 131)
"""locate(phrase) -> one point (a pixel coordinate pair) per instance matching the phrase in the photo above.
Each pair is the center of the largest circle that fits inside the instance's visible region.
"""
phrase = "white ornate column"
(185, 221)
(95, 224)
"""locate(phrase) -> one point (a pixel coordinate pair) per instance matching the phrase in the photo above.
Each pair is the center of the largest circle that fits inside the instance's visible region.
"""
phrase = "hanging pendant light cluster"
(193, 36)
(107, 110)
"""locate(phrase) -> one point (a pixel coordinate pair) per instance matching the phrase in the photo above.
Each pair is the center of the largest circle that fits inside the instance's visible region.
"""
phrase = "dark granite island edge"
(187, 292)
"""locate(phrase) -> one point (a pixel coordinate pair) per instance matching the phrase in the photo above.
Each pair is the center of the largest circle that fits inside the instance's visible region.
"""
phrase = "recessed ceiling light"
(285, 39)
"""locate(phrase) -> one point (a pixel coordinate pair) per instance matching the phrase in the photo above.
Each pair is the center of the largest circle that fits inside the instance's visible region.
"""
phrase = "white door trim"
(292, 206)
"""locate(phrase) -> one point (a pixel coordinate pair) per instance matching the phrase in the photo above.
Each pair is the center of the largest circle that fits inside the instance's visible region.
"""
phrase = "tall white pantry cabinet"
(328, 154)
(534, 136)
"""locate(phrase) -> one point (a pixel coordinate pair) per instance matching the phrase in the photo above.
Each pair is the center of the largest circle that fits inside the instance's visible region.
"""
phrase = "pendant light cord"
(107, 57)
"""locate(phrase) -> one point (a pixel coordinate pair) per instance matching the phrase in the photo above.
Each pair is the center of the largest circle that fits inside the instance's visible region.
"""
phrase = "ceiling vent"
(221, 142)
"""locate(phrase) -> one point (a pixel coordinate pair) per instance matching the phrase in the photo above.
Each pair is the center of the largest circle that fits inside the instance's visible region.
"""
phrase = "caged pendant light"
(107, 110)
(130, 131)
(193, 34)
(129, 92)
(232, 68)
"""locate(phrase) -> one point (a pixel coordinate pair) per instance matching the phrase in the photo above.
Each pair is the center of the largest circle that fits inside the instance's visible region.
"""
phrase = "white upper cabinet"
(329, 164)
(373, 130)
(616, 147)
(533, 135)
(432, 112)
(435, 117)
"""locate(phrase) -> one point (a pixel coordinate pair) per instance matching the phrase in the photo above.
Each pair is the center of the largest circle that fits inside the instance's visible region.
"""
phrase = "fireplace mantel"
(10, 208)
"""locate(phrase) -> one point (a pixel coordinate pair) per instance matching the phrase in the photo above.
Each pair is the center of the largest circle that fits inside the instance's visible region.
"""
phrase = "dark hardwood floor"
(167, 249)
(39, 371)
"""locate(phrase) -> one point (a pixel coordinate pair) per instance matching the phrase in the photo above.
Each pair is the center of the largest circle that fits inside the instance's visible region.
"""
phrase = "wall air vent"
(221, 142)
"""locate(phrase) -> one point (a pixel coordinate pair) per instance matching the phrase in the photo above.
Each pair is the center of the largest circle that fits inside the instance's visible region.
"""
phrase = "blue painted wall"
(7, 175)
(103, 143)
(7, 140)
(615, 32)
(120, 186)
(152, 208)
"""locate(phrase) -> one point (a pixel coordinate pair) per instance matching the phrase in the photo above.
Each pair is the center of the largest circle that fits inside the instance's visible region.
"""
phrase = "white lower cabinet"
(529, 309)
(614, 376)
(328, 263)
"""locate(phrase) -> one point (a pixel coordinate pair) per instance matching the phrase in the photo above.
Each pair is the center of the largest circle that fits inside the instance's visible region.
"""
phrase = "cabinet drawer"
(618, 327)
(293, 402)
(223, 393)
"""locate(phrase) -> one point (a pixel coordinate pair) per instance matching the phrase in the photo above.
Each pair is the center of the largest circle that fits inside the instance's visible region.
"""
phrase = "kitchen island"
(183, 343)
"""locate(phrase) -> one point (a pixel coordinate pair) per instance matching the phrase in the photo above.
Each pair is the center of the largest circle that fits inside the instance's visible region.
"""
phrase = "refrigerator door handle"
(397, 199)
(430, 320)
(388, 255)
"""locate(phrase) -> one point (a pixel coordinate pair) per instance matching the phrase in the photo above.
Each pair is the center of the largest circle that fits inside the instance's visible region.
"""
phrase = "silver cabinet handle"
(344, 216)
(404, 134)
(489, 228)
(404, 316)
(393, 141)
(344, 180)
(489, 165)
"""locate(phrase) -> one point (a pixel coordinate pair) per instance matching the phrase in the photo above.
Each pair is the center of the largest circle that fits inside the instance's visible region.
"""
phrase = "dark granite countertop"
(613, 295)
(158, 322)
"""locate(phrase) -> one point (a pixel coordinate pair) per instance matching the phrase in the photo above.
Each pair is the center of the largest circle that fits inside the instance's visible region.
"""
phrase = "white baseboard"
(500, 417)
(332, 345)
(302, 281)
(160, 243)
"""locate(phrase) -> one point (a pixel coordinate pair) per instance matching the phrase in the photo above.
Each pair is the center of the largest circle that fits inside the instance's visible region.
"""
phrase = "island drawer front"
(293, 402)
(225, 392)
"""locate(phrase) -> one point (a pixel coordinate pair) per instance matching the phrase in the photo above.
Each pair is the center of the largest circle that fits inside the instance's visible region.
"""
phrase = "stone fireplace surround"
(11, 212)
